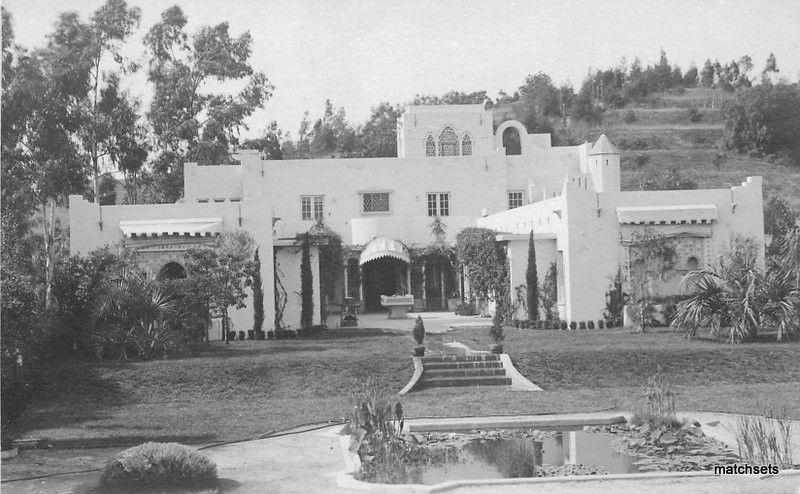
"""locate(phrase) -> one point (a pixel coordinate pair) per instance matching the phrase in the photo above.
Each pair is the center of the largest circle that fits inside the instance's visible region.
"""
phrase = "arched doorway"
(171, 271)
(383, 276)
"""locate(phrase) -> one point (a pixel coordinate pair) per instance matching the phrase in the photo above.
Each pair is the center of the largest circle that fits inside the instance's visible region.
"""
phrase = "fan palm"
(134, 312)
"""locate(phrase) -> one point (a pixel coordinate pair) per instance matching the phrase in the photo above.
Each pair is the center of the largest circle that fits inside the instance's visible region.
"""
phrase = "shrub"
(694, 115)
(573, 325)
(270, 334)
(563, 325)
(601, 324)
(590, 324)
(496, 331)
(306, 285)
(242, 336)
(582, 325)
(629, 117)
(159, 463)
(616, 299)
(640, 160)
(419, 331)
(466, 309)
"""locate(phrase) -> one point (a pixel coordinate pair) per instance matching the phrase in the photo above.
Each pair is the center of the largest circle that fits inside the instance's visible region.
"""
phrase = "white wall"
(288, 261)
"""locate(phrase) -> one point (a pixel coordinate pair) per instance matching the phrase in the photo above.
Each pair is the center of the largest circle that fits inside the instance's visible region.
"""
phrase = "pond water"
(561, 453)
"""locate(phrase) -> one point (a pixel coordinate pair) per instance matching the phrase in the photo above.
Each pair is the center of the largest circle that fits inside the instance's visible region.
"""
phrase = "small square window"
(375, 202)
(515, 199)
(312, 207)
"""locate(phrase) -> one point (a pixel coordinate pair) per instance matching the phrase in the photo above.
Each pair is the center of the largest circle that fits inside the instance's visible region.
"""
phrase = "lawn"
(241, 390)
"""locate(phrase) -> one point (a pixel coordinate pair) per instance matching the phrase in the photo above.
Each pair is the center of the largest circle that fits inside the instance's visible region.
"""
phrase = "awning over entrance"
(644, 215)
(195, 227)
(384, 247)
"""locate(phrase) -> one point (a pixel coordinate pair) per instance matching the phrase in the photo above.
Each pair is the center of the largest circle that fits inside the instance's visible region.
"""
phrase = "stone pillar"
(573, 448)
(346, 278)
(424, 282)
(408, 279)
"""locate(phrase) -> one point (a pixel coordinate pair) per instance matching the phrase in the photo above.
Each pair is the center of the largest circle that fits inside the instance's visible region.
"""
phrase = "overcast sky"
(359, 53)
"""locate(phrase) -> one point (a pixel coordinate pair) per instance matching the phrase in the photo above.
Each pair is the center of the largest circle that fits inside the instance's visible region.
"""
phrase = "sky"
(358, 53)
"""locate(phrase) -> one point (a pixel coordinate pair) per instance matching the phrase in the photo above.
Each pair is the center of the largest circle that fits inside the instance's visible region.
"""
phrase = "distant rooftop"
(604, 146)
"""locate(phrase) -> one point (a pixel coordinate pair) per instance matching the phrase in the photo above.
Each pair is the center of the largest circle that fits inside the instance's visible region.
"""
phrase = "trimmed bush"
(270, 334)
(629, 117)
(601, 324)
(159, 463)
(466, 309)
(582, 325)
(573, 325)
(590, 324)
(563, 325)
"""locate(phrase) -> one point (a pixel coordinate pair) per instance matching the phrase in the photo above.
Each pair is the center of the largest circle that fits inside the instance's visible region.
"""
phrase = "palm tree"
(135, 313)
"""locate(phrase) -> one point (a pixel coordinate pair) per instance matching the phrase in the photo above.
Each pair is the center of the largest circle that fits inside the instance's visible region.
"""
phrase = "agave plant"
(135, 313)
(781, 303)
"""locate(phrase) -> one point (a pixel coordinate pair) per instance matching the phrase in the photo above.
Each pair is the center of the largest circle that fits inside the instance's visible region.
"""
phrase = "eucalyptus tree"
(189, 123)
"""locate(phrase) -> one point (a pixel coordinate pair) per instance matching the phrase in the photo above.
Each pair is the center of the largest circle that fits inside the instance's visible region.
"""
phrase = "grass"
(245, 389)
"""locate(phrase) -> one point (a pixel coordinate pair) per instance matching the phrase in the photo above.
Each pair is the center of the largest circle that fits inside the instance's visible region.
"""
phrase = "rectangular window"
(375, 202)
(515, 199)
(438, 204)
(311, 207)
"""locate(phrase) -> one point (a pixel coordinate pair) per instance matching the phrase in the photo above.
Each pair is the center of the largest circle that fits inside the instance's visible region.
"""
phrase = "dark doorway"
(384, 276)
(171, 271)
(440, 282)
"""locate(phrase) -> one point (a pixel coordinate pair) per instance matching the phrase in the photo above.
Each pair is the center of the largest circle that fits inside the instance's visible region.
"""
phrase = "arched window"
(430, 146)
(171, 271)
(448, 142)
(512, 142)
(466, 145)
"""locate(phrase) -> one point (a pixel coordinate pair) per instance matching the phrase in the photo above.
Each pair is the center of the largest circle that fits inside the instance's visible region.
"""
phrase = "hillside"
(663, 134)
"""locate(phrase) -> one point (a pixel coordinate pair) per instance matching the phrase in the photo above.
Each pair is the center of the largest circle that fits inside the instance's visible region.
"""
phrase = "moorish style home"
(452, 165)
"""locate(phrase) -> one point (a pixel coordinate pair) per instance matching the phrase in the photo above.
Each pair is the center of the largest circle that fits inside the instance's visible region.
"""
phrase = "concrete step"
(491, 364)
(443, 382)
(470, 372)
(483, 357)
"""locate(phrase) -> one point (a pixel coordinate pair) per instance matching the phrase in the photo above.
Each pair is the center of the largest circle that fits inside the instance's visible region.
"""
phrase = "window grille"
(466, 145)
(430, 146)
(376, 202)
(448, 142)
(311, 207)
(515, 199)
(438, 204)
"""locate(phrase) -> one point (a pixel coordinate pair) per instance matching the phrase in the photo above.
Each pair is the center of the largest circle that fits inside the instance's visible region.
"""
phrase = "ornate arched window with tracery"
(430, 146)
(448, 142)
(466, 145)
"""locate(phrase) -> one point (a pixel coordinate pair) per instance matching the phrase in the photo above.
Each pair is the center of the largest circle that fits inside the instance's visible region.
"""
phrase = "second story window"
(375, 202)
(515, 199)
(311, 207)
(430, 146)
(438, 204)
(448, 142)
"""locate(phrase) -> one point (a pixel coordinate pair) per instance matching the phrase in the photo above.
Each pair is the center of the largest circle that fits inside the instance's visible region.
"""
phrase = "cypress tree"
(532, 280)
(306, 286)
(258, 297)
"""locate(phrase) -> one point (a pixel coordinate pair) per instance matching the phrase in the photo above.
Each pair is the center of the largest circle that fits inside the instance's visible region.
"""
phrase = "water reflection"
(514, 457)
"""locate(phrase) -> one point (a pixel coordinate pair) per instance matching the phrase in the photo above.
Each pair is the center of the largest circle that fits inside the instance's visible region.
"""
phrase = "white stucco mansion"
(451, 164)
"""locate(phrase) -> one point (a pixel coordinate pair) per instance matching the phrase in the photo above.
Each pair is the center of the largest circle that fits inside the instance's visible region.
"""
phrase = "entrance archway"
(383, 276)
(171, 271)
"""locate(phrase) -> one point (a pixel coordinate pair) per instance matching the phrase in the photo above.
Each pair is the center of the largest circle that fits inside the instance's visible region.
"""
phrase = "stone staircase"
(462, 370)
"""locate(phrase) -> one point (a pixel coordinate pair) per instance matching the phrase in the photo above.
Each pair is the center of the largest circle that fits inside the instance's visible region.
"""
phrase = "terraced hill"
(662, 134)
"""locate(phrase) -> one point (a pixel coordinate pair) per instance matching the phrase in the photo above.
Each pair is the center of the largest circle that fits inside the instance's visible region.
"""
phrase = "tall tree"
(532, 281)
(306, 284)
(269, 143)
(258, 297)
(189, 123)
(111, 128)
(378, 137)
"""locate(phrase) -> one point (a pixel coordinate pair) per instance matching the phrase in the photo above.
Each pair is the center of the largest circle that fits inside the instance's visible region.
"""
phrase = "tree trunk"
(48, 224)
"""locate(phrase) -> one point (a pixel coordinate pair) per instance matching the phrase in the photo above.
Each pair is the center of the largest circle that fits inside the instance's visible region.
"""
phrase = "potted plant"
(496, 333)
(419, 337)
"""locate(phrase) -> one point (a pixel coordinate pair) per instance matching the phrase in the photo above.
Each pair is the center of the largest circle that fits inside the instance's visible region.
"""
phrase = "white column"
(346, 279)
